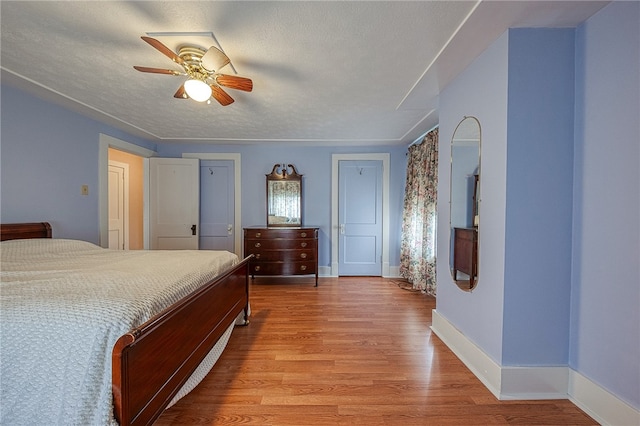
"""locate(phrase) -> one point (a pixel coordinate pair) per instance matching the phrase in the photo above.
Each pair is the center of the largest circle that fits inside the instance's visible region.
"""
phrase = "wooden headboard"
(18, 231)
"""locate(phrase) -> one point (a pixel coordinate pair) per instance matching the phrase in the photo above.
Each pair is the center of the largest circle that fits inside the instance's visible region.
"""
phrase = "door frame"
(335, 159)
(237, 188)
(104, 144)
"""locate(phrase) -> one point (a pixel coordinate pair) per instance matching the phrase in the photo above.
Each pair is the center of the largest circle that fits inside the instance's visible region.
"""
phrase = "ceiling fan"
(201, 67)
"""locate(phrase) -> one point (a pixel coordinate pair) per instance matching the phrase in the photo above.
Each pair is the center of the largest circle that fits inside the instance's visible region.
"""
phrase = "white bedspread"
(63, 305)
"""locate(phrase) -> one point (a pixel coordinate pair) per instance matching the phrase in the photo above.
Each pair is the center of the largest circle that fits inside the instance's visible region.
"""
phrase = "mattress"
(63, 305)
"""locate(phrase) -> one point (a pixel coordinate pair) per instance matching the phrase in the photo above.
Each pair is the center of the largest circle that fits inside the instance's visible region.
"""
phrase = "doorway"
(106, 142)
(217, 225)
(124, 152)
(192, 190)
(360, 218)
(125, 181)
(118, 205)
(235, 176)
(384, 158)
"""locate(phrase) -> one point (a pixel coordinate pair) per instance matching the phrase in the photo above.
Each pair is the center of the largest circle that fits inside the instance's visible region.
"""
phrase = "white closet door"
(174, 203)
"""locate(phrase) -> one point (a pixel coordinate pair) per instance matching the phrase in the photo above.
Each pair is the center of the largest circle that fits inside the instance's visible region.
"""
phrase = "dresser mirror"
(284, 196)
(464, 216)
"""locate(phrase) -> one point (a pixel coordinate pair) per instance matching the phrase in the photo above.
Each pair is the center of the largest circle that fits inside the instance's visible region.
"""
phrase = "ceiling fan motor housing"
(192, 57)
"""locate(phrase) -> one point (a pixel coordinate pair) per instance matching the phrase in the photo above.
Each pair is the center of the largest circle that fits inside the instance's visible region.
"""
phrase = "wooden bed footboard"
(151, 363)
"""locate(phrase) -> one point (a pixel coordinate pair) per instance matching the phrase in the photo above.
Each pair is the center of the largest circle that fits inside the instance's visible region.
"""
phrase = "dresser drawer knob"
(303, 267)
(303, 234)
(303, 244)
(257, 255)
(303, 255)
(257, 268)
(257, 245)
(258, 234)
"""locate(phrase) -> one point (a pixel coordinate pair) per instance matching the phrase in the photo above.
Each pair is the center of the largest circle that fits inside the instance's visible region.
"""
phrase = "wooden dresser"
(282, 251)
(465, 253)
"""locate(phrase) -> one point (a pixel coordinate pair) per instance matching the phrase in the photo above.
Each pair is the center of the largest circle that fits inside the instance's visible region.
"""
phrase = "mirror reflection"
(284, 196)
(465, 200)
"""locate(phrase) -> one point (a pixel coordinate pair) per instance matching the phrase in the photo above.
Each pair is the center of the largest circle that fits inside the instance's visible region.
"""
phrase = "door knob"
(230, 229)
(342, 228)
(193, 229)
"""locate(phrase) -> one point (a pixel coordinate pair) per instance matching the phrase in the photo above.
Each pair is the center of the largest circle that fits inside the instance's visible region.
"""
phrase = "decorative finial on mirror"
(274, 171)
(294, 172)
(281, 171)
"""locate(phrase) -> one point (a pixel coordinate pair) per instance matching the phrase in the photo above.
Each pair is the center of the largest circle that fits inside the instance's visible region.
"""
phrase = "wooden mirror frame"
(290, 214)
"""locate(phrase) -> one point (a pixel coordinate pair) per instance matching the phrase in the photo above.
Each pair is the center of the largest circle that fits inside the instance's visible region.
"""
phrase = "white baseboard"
(527, 383)
(540, 382)
(327, 271)
(602, 405)
(393, 272)
(324, 271)
(480, 364)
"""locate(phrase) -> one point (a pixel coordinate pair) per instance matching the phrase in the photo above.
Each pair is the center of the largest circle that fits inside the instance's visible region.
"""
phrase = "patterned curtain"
(418, 246)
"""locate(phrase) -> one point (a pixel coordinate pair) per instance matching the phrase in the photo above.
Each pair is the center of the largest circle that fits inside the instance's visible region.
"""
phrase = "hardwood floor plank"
(352, 351)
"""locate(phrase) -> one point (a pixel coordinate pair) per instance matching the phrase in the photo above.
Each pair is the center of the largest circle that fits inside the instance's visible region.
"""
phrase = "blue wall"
(537, 272)
(480, 91)
(605, 310)
(315, 165)
(48, 152)
(559, 230)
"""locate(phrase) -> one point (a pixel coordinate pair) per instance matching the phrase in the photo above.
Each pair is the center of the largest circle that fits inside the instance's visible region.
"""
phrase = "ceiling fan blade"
(164, 49)
(158, 70)
(214, 59)
(220, 95)
(181, 93)
(235, 82)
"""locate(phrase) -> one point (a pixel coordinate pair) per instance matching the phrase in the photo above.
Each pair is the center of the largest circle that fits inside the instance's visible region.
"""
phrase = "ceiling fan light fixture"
(197, 90)
(201, 68)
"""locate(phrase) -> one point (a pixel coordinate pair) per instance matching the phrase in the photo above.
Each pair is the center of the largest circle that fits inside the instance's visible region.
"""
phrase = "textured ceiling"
(324, 73)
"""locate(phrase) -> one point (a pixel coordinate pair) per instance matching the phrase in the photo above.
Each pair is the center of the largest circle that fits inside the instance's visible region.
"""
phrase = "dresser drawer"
(272, 233)
(283, 268)
(283, 255)
(253, 245)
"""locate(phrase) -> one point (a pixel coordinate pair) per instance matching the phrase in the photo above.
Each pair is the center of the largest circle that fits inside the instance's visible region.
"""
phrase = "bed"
(97, 336)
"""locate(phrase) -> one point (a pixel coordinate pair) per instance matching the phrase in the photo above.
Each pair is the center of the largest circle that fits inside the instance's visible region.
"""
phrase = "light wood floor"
(353, 351)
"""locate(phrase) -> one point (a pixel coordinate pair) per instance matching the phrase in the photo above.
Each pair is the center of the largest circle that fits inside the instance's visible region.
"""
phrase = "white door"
(174, 194)
(217, 200)
(360, 217)
(118, 205)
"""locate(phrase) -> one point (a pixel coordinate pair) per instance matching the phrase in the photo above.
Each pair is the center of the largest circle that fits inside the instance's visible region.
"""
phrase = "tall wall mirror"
(284, 196)
(465, 202)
